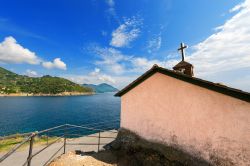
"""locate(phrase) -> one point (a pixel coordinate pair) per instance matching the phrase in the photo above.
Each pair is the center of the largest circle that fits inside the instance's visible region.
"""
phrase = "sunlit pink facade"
(198, 120)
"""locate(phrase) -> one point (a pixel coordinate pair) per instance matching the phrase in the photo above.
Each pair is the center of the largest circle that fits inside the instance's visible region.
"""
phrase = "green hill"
(13, 83)
(101, 88)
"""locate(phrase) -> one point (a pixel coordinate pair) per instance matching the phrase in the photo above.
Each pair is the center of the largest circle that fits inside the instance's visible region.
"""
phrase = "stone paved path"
(19, 157)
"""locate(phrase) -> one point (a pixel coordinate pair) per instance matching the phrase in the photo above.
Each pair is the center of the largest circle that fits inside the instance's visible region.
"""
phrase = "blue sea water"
(27, 114)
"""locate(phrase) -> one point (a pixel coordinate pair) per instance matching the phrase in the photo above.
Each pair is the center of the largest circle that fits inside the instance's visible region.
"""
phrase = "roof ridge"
(233, 92)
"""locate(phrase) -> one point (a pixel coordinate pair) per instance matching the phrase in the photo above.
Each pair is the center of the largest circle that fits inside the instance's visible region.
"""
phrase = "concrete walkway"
(19, 157)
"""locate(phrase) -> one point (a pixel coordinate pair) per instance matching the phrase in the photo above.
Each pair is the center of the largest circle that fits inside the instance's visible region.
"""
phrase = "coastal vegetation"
(9, 143)
(13, 83)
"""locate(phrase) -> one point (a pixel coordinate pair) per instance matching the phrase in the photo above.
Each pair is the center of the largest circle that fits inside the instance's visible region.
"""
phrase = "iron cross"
(182, 50)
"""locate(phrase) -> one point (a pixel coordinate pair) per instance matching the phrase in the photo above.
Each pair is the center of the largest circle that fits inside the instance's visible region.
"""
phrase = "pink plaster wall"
(193, 118)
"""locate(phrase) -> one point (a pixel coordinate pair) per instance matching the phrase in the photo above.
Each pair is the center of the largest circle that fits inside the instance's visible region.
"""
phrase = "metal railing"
(68, 132)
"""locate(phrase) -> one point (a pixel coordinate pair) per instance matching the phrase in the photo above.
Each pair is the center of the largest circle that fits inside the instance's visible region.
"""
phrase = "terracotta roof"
(236, 93)
(182, 63)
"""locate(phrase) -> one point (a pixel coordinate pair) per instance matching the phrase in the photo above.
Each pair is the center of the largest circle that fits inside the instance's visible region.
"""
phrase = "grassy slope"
(7, 144)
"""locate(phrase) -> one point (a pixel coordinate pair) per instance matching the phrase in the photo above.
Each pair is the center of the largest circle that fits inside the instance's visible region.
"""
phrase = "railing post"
(47, 137)
(65, 136)
(99, 137)
(30, 149)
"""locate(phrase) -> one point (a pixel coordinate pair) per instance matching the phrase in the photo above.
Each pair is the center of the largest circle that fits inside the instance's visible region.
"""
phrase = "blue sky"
(115, 41)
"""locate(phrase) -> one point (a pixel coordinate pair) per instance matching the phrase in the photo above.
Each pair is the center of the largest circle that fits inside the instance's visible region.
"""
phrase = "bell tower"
(183, 66)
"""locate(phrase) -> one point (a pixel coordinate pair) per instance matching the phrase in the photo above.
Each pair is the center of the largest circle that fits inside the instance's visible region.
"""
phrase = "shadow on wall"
(130, 149)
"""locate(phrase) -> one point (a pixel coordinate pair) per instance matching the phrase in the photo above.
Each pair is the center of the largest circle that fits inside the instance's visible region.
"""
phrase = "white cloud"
(228, 49)
(126, 33)
(111, 59)
(154, 44)
(111, 3)
(31, 73)
(95, 72)
(141, 65)
(224, 55)
(57, 63)
(238, 7)
(115, 62)
(12, 52)
(94, 77)
(98, 76)
(111, 10)
(121, 68)
(117, 81)
(106, 78)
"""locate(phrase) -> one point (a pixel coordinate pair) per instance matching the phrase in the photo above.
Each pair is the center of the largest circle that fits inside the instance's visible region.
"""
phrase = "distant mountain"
(101, 88)
(13, 83)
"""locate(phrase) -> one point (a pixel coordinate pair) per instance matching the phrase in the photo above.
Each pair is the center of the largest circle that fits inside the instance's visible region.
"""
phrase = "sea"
(29, 114)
